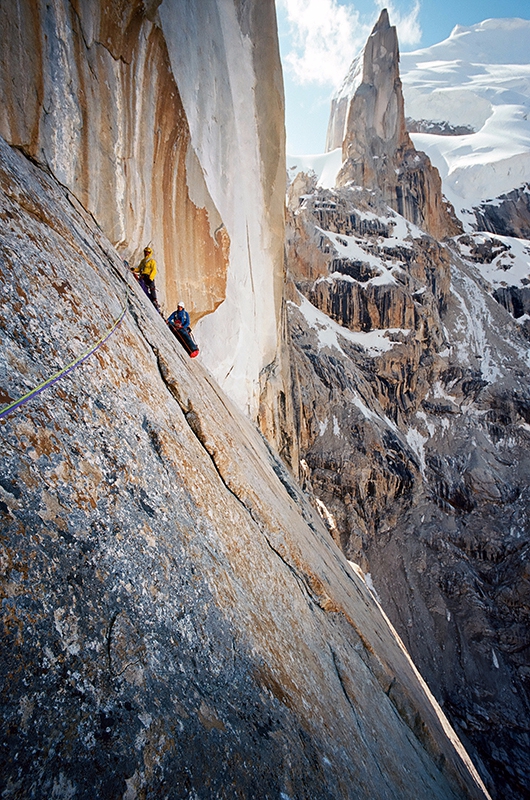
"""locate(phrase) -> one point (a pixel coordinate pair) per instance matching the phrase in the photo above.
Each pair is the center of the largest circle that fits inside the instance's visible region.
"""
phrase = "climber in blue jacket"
(180, 318)
(179, 323)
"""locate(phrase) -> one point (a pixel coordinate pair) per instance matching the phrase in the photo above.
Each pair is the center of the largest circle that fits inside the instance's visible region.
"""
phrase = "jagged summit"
(381, 91)
(361, 71)
(368, 120)
(382, 23)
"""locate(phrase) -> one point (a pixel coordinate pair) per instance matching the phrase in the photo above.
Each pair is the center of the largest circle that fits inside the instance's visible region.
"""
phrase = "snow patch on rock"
(373, 342)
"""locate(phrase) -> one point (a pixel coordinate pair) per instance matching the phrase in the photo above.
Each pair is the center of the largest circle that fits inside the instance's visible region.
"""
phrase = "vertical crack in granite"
(346, 686)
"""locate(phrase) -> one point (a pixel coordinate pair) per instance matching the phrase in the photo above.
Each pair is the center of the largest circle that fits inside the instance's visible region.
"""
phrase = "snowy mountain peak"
(493, 41)
(479, 78)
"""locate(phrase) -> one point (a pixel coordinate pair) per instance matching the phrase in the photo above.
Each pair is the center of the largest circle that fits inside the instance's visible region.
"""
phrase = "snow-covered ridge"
(493, 41)
(326, 166)
(478, 77)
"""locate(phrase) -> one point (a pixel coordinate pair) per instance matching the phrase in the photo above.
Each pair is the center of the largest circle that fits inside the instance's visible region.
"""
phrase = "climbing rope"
(69, 367)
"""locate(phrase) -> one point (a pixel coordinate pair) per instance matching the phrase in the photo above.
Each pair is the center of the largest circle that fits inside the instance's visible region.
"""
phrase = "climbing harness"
(69, 367)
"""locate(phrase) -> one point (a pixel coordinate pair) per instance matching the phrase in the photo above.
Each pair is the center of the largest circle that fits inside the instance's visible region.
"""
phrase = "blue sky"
(319, 39)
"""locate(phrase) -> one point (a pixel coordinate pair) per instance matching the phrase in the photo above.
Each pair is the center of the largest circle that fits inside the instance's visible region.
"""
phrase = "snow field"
(479, 77)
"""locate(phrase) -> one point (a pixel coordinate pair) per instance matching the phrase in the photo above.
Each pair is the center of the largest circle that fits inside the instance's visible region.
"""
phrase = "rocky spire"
(377, 150)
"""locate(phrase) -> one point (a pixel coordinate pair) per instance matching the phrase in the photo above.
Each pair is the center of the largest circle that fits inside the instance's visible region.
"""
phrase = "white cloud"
(326, 36)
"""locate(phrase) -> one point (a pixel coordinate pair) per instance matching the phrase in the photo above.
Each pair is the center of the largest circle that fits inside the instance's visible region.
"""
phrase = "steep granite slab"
(177, 622)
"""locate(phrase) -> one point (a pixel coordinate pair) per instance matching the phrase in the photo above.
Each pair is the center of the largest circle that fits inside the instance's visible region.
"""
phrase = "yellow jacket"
(147, 267)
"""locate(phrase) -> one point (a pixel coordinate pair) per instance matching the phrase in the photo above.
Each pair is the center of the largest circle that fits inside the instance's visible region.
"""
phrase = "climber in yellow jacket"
(146, 272)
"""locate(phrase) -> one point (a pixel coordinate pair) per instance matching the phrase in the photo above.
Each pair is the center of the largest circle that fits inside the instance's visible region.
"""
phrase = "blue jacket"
(180, 318)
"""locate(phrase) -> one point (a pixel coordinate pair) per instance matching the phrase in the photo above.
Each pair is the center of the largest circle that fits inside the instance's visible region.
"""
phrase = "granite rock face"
(116, 100)
(411, 398)
(502, 262)
(177, 620)
(87, 89)
(507, 215)
(368, 121)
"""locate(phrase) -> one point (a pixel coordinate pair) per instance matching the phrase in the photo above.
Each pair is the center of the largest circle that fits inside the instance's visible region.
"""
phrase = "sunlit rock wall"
(166, 121)
(232, 91)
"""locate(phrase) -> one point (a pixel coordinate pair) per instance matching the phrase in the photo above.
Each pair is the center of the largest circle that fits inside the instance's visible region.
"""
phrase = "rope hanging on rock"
(68, 368)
